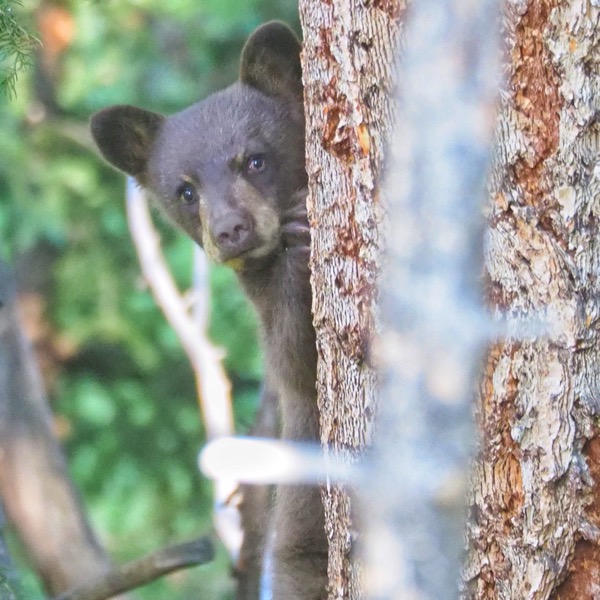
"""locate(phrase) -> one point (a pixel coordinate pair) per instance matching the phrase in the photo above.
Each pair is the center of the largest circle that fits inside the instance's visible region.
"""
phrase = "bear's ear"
(125, 136)
(271, 61)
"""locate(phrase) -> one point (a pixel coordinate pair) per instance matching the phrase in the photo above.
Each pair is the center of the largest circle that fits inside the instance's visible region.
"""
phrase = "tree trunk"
(348, 56)
(535, 501)
(35, 487)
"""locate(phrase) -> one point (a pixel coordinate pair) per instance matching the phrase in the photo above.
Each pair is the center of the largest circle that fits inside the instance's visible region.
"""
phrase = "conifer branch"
(16, 45)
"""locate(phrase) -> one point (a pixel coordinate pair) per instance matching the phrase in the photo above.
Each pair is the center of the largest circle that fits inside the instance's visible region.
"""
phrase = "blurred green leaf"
(126, 390)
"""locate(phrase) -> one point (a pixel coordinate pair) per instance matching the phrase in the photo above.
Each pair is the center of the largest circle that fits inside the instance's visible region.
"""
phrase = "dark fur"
(254, 220)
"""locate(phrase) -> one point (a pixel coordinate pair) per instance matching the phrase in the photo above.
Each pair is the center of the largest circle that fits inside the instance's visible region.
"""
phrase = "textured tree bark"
(35, 487)
(535, 521)
(348, 56)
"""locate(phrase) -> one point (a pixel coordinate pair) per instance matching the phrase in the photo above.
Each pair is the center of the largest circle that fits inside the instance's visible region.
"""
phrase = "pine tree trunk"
(349, 50)
(535, 502)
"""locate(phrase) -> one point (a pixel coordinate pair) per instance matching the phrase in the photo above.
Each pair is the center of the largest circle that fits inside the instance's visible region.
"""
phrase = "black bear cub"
(230, 172)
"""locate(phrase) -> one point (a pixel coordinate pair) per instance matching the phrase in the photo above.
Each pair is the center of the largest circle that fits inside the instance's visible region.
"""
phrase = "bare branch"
(40, 499)
(144, 570)
(206, 360)
(214, 389)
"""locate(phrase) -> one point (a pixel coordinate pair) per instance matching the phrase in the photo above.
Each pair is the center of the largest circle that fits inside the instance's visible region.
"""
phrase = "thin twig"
(144, 570)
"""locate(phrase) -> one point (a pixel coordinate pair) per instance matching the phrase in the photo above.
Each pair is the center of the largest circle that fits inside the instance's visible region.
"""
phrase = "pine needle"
(16, 45)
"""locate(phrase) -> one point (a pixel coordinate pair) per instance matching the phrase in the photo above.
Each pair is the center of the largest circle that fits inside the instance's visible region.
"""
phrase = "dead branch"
(38, 494)
(206, 360)
(214, 389)
(144, 570)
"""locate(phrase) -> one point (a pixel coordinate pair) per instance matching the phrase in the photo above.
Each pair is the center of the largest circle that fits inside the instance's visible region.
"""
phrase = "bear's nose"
(232, 232)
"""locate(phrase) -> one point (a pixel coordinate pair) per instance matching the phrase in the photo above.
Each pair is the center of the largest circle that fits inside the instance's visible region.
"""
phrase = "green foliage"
(16, 45)
(234, 308)
(6, 589)
(126, 395)
(10, 588)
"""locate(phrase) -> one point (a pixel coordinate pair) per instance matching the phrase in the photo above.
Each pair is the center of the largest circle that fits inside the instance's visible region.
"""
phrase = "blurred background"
(120, 386)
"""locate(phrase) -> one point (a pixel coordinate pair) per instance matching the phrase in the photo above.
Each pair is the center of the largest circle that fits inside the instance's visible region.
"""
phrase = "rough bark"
(348, 56)
(535, 526)
(37, 492)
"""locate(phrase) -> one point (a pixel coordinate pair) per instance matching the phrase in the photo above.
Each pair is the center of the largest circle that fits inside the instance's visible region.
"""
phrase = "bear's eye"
(256, 163)
(187, 193)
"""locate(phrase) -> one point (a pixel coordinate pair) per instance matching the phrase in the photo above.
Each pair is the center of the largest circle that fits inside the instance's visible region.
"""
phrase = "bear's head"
(224, 169)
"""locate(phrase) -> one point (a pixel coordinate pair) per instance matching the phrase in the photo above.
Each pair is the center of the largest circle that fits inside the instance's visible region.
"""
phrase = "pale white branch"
(214, 388)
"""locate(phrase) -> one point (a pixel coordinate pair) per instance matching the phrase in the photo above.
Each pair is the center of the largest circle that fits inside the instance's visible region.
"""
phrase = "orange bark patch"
(509, 484)
(583, 579)
(340, 138)
(537, 99)
(592, 451)
(364, 139)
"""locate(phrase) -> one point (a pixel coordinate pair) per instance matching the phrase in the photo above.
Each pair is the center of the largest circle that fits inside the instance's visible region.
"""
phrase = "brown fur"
(230, 172)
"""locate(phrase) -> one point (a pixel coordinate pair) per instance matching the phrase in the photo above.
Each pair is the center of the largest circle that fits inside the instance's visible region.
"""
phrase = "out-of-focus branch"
(433, 323)
(143, 570)
(214, 389)
(37, 492)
